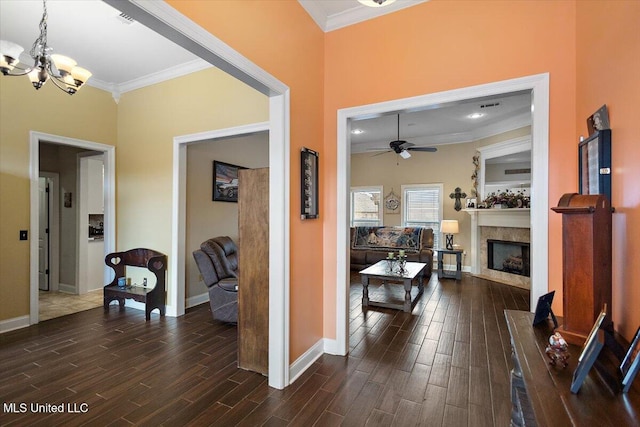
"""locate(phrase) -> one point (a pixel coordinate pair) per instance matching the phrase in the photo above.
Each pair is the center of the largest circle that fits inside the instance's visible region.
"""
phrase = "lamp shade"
(63, 63)
(449, 226)
(9, 54)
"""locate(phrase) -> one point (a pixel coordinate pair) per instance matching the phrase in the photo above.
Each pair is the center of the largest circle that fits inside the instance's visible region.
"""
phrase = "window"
(422, 207)
(366, 206)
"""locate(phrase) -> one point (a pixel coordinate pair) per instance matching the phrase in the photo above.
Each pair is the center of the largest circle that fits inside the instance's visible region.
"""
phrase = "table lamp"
(449, 227)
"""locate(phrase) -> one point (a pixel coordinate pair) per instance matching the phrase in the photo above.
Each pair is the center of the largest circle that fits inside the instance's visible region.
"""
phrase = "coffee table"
(413, 271)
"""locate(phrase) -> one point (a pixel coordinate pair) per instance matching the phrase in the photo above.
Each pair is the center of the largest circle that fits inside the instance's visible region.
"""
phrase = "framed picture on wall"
(225, 182)
(308, 184)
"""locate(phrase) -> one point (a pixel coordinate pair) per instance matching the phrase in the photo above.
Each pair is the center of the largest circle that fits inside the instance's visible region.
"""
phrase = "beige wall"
(206, 218)
(451, 166)
(143, 124)
(148, 120)
(88, 115)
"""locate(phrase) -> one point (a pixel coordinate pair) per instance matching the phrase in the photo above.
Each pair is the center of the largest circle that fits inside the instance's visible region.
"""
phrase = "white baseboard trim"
(303, 362)
(452, 267)
(63, 287)
(331, 347)
(197, 300)
(14, 323)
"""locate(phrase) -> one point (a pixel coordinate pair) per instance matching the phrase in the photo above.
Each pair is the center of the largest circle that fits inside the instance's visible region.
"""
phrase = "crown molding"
(354, 15)
(150, 79)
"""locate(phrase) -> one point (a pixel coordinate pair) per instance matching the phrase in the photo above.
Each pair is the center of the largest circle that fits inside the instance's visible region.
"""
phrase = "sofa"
(369, 245)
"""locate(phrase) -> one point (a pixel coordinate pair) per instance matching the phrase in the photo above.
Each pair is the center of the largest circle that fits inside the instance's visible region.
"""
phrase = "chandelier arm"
(60, 84)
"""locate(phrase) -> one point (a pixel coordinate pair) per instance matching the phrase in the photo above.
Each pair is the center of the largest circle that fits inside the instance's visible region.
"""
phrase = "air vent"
(125, 19)
(495, 104)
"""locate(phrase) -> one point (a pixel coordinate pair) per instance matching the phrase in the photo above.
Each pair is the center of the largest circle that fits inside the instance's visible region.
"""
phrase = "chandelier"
(61, 70)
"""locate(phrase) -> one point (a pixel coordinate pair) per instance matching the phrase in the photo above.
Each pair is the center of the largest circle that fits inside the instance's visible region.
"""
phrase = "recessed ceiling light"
(357, 131)
(475, 115)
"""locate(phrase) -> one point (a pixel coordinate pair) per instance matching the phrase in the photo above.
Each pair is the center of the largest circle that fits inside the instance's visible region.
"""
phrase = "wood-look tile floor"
(444, 364)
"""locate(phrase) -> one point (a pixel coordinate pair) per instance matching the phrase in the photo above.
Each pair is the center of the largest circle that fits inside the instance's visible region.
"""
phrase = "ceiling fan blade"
(382, 152)
(427, 149)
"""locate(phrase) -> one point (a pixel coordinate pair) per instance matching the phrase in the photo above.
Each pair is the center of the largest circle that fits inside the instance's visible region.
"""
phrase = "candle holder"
(402, 263)
(390, 262)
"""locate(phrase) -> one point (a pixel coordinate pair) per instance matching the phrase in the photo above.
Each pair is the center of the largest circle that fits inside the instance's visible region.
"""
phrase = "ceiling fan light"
(405, 154)
(64, 64)
(80, 75)
(376, 3)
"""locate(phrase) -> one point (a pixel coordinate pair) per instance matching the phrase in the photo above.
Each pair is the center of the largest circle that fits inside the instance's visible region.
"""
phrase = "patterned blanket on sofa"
(392, 238)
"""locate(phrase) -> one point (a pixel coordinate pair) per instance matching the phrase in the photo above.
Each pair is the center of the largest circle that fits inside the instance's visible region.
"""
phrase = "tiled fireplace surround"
(512, 225)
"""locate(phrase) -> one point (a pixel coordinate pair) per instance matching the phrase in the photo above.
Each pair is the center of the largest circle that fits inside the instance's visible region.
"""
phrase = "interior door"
(43, 235)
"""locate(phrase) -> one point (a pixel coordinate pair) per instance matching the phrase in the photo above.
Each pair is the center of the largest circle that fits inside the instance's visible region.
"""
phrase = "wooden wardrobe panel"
(253, 258)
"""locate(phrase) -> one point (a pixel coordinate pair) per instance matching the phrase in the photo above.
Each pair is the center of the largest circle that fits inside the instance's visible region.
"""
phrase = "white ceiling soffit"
(122, 54)
(334, 14)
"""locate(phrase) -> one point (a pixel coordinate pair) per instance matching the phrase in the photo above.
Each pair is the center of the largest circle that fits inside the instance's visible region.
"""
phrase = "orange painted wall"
(436, 46)
(280, 37)
(608, 72)
(443, 45)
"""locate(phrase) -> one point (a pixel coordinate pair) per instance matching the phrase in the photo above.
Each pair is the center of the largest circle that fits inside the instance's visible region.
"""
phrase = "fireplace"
(509, 257)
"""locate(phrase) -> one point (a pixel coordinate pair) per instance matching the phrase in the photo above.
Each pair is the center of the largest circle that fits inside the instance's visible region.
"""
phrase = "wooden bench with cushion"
(152, 298)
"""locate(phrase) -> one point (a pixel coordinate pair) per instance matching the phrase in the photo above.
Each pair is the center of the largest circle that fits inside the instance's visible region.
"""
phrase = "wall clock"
(392, 202)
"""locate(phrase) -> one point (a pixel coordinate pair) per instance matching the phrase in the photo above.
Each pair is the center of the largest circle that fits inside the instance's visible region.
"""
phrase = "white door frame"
(35, 138)
(54, 228)
(539, 87)
(168, 22)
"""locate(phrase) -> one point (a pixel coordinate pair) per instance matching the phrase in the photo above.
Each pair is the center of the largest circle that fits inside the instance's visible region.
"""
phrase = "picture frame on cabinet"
(631, 363)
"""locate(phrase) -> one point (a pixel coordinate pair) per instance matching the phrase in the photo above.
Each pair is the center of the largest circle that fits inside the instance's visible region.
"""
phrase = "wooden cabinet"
(586, 258)
(253, 259)
(541, 393)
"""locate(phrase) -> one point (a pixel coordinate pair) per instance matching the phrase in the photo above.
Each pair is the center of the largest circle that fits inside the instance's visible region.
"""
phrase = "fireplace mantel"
(514, 217)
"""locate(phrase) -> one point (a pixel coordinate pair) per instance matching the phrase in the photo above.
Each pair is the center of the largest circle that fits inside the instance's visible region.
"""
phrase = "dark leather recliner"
(217, 260)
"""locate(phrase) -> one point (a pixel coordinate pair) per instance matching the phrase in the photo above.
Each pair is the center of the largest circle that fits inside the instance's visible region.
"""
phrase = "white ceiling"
(444, 124)
(125, 57)
(121, 56)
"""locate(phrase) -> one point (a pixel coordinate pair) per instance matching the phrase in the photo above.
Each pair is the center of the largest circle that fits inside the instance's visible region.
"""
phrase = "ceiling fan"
(403, 147)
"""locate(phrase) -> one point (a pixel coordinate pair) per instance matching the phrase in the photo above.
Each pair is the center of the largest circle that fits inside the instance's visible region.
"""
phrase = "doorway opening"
(538, 85)
(64, 200)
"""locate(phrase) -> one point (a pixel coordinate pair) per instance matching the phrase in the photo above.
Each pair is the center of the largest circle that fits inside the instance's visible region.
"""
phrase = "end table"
(445, 274)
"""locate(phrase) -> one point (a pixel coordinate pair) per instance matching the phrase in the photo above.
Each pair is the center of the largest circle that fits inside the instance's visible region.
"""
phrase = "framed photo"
(598, 120)
(471, 203)
(308, 184)
(588, 356)
(543, 310)
(631, 363)
(594, 164)
(590, 352)
(594, 330)
(225, 182)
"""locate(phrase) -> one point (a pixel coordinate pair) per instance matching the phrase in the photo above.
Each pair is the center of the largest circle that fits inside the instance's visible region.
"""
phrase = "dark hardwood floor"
(444, 364)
